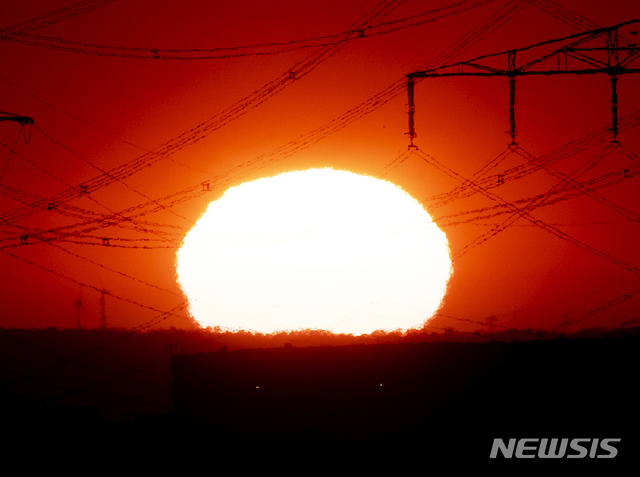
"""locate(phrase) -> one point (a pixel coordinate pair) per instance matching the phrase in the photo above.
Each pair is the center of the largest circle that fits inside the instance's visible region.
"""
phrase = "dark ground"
(402, 404)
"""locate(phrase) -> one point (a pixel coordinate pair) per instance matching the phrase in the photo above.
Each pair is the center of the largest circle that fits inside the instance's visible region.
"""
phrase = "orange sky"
(100, 103)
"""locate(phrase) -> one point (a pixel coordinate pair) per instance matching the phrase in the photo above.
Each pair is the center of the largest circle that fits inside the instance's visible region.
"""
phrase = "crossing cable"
(106, 173)
(235, 111)
(481, 31)
(163, 314)
(24, 197)
(69, 211)
(63, 233)
(473, 36)
(492, 164)
(490, 212)
(13, 149)
(111, 242)
(498, 17)
(125, 275)
(561, 13)
(261, 49)
(79, 356)
(571, 183)
(57, 202)
(529, 208)
(525, 214)
(565, 151)
(534, 203)
(469, 321)
(376, 103)
(495, 230)
(615, 302)
(529, 205)
(485, 213)
(605, 180)
(125, 216)
(84, 215)
(393, 164)
(557, 224)
(630, 154)
(567, 183)
(50, 18)
(116, 219)
(96, 128)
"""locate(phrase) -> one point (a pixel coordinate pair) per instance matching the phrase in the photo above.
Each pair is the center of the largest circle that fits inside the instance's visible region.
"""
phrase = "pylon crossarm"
(483, 67)
(18, 119)
(587, 57)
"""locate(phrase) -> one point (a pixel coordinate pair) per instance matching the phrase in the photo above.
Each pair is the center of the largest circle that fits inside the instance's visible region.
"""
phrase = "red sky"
(101, 102)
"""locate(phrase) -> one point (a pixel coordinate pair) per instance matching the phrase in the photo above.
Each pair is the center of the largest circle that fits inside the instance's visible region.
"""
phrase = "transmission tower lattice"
(601, 51)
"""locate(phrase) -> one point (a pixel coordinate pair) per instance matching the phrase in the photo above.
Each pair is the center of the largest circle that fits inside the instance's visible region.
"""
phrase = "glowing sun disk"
(315, 249)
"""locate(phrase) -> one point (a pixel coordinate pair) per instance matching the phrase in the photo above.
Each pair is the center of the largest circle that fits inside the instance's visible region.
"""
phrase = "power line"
(523, 213)
(221, 119)
(257, 164)
(56, 16)
(614, 66)
(261, 49)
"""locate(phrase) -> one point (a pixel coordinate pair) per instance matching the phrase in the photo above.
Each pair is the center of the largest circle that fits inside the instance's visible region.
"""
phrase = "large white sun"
(315, 249)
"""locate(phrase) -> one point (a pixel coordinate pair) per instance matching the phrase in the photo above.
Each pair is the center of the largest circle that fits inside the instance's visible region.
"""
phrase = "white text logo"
(578, 448)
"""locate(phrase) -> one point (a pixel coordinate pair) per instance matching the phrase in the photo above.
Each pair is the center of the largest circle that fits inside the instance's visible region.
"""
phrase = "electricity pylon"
(600, 51)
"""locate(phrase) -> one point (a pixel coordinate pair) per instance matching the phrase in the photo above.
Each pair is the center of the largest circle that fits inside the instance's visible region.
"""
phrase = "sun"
(317, 249)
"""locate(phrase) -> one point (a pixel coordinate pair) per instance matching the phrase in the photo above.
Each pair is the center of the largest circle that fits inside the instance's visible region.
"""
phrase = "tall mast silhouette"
(103, 315)
(78, 305)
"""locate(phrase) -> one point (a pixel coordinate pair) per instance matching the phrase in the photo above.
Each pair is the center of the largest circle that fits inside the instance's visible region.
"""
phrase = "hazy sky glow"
(146, 112)
(319, 249)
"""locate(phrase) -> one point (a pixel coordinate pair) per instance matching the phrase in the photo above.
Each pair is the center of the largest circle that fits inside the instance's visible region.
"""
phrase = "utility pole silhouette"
(103, 315)
(490, 321)
(78, 305)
